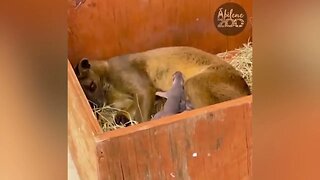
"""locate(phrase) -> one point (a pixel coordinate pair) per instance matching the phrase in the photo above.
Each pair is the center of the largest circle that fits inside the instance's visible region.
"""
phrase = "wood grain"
(214, 141)
(211, 142)
(81, 131)
(101, 29)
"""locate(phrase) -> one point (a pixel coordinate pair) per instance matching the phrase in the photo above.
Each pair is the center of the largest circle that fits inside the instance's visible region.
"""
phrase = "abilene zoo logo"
(230, 19)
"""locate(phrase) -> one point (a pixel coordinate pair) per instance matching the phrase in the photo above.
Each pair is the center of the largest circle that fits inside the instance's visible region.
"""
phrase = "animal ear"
(84, 63)
(82, 68)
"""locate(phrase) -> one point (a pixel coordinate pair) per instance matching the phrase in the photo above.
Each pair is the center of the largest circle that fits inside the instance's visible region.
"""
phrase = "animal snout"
(99, 103)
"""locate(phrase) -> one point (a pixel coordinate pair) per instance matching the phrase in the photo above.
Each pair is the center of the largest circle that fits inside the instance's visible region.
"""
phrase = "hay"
(110, 118)
(242, 61)
(107, 118)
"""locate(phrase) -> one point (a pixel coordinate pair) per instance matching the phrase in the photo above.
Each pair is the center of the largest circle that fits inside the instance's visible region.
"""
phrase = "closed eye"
(92, 86)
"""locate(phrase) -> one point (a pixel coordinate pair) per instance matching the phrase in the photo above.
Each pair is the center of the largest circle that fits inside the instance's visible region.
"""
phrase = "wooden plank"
(178, 146)
(166, 154)
(246, 34)
(128, 156)
(169, 120)
(100, 29)
(72, 170)
(211, 142)
(80, 131)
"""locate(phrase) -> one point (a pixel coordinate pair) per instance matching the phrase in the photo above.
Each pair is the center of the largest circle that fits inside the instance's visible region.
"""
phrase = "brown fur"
(130, 81)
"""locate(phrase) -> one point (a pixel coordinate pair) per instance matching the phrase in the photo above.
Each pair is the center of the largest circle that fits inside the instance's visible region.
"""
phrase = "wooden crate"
(213, 142)
(100, 29)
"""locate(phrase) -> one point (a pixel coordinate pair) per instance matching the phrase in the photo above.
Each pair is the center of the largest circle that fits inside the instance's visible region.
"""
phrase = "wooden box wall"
(101, 29)
(211, 142)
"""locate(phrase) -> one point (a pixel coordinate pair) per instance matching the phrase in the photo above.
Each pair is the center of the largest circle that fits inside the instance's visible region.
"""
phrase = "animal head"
(91, 82)
(177, 77)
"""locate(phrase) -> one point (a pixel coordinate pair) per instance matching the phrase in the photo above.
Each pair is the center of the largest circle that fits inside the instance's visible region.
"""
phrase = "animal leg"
(162, 94)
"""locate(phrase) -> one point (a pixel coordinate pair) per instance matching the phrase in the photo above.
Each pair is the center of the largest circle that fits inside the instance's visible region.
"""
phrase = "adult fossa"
(129, 82)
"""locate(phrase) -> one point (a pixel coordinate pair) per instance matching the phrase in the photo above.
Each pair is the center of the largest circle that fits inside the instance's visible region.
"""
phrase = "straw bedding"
(242, 61)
